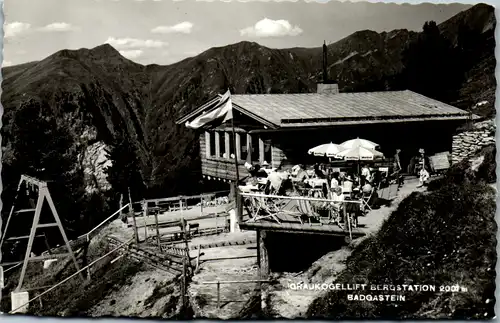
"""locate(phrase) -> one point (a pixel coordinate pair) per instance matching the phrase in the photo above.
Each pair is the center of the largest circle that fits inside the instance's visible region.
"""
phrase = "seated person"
(299, 174)
(366, 173)
(318, 172)
(335, 181)
(367, 190)
(338, 199)
(257, 171)
(348, 184)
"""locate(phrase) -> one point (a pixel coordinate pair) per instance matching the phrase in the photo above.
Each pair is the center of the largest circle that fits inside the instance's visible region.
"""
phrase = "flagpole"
(237, 208)
(235, 154)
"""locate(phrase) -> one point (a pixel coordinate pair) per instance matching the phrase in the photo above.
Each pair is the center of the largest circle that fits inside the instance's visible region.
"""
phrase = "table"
(248, 188)
(316, 182)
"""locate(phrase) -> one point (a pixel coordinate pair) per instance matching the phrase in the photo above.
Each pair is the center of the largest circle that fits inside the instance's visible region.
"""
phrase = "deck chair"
(263, 209)
(305, 208)
(366, 199)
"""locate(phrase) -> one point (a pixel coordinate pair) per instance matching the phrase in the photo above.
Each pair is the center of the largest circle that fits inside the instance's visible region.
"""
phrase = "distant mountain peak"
(105, 50)
(102, 51)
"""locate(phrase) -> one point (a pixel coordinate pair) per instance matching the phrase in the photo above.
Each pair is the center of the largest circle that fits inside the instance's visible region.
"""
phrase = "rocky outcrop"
(467, 143)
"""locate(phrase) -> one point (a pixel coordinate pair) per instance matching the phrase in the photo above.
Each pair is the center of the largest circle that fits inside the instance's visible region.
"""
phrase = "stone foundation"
(467, 143)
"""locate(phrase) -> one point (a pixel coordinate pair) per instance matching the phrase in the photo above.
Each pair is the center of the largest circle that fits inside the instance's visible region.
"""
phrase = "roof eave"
(256, 117)
(361, 122)
(354, 122)
(197, 111)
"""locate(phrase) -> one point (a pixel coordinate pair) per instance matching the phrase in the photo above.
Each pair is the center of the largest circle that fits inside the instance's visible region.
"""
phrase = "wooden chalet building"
(278, 127)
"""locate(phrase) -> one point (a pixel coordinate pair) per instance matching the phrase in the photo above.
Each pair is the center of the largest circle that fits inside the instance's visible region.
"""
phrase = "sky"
(166, 31)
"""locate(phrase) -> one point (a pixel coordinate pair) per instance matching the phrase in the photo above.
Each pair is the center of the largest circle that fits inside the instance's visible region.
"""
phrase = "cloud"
(183, 27)
(15, 28)
(6, 63)
(271, 28)
(133, 43)
(131, 54)
(58, 26)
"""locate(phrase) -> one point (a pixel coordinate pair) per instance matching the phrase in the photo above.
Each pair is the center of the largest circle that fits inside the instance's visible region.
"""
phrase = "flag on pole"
(222, 113)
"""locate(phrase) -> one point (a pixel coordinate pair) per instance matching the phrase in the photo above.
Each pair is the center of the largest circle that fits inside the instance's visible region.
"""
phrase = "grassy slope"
(444, 237)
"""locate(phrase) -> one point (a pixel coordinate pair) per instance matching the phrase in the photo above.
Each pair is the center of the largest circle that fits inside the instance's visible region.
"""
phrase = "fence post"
(157, 230)
(201, 205)
(198, 259)
(131, 212)
(347, 219)
(218, 294)
(144, 216)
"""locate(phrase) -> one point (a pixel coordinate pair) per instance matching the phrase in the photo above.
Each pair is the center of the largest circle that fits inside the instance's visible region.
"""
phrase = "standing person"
(338, 200)
(397, 167)
(424, 168)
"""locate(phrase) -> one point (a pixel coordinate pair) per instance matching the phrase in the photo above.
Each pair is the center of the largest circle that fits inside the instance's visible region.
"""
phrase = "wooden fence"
(219, 283)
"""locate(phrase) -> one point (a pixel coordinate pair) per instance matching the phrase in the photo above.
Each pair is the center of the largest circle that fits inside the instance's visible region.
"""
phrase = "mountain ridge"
(114, 96)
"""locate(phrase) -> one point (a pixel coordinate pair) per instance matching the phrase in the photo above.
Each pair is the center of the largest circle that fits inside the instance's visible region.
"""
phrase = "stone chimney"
(326, 87)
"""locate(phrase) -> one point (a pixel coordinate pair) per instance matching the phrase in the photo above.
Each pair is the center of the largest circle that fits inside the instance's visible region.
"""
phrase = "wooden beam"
(249, 148)
(25, 210)
(263, 256)
(46, 225)
(53, 256)
(207, 144)
(227, 144)
(261, 150)
(52, 207)
(237, 146)
(217, 144)
(24, 237)
(297, 228)
(36, 218)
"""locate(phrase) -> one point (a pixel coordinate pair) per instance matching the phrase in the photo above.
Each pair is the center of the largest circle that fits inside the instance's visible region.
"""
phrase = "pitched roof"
(288, 109)
(313, 109)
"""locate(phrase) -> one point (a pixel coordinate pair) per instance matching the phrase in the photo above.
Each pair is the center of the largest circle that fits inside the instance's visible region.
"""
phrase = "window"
(231, 145)
(267, 151)
(212, 144)
(219, 138)
(255, 148)
(243, 142)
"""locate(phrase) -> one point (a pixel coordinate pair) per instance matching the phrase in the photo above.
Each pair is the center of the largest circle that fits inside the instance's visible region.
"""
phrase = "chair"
(365, 200)
(259, 204)
(305, 208)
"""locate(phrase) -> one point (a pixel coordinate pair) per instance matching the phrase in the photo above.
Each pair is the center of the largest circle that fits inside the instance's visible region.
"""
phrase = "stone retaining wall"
(468, 142)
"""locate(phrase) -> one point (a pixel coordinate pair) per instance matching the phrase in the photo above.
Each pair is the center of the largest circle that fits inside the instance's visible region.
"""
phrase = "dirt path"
(288, 303)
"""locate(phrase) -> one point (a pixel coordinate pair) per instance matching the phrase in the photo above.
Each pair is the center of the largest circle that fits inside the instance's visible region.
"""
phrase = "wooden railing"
(219, 282)
(260, 206)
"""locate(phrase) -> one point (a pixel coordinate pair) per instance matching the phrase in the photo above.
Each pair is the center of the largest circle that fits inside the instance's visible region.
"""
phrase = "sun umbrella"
(328, 150)
(359, 153)
(359, 143)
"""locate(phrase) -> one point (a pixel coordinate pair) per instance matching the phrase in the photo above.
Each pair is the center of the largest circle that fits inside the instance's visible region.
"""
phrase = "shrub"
(446, 237)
